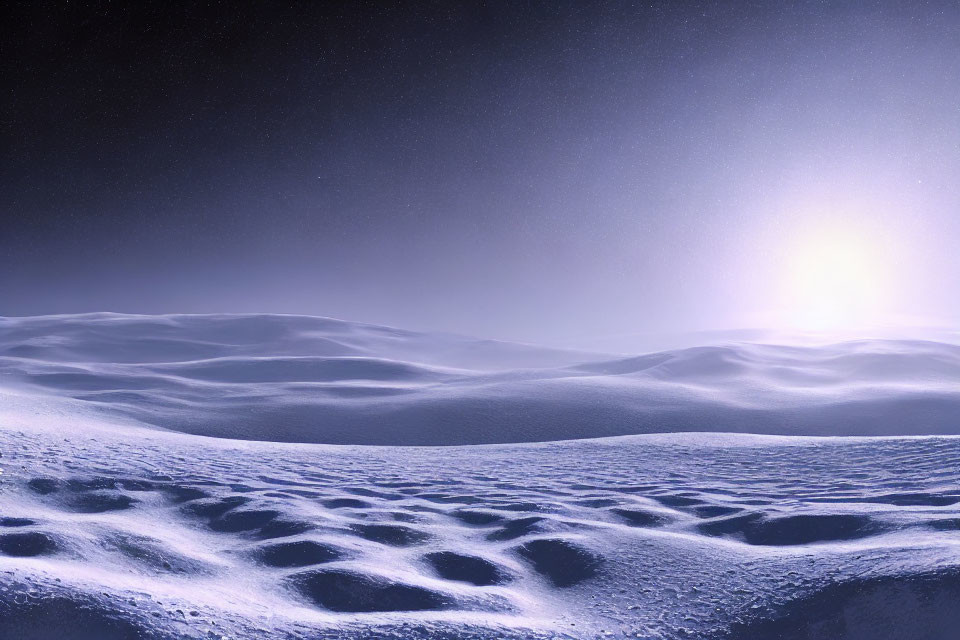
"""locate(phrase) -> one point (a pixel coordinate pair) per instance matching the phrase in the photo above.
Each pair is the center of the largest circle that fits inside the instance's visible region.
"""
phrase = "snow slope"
(110, 531)
(305, 379)
(119, 520)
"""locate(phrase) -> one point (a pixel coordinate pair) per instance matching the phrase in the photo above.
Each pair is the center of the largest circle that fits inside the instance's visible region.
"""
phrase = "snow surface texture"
(307, 379)
(110, 531)
(114, 529)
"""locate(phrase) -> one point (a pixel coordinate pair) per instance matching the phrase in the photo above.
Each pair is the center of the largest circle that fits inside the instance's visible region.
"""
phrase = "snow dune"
(306, 379)
(114, 525)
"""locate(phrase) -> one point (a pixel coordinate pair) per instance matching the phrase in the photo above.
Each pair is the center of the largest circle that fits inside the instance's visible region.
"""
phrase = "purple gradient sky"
(528, 172)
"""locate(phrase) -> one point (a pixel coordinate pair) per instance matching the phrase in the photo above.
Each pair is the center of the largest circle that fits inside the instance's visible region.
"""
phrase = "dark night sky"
(518, 170)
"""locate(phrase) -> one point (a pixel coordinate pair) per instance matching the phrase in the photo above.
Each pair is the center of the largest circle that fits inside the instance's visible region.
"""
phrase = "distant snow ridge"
(309, 379)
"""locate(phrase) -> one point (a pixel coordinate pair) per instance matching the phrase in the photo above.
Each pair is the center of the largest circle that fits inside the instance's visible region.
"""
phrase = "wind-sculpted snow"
(114, 526)
(123, 338)
(114, 532)
(305, 379)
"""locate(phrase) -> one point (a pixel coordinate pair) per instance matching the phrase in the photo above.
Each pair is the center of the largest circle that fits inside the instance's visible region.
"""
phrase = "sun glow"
(835, 279)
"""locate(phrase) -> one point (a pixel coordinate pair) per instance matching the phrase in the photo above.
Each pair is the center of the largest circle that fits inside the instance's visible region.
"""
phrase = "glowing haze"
(540, 172)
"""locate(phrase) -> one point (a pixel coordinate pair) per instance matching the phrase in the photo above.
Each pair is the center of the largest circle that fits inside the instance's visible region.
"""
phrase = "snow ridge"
(306, 379)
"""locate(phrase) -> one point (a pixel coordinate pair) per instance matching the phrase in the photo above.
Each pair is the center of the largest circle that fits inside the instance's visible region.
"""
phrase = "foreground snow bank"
(114, 532)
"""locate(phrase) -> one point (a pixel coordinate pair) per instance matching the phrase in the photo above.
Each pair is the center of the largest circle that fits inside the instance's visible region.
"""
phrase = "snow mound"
(306, 379)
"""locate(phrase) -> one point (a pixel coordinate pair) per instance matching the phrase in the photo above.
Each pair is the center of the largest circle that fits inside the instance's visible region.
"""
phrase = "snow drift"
(307, 379)
(115, 526)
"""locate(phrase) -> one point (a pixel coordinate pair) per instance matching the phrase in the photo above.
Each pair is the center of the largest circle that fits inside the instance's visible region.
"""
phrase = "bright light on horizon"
(836, 278)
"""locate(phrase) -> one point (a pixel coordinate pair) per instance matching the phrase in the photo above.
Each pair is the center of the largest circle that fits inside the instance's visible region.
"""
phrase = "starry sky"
(527, 170)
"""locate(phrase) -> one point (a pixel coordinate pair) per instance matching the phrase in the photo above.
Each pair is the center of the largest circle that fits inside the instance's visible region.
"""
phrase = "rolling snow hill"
(305, 379)
(118, 521)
